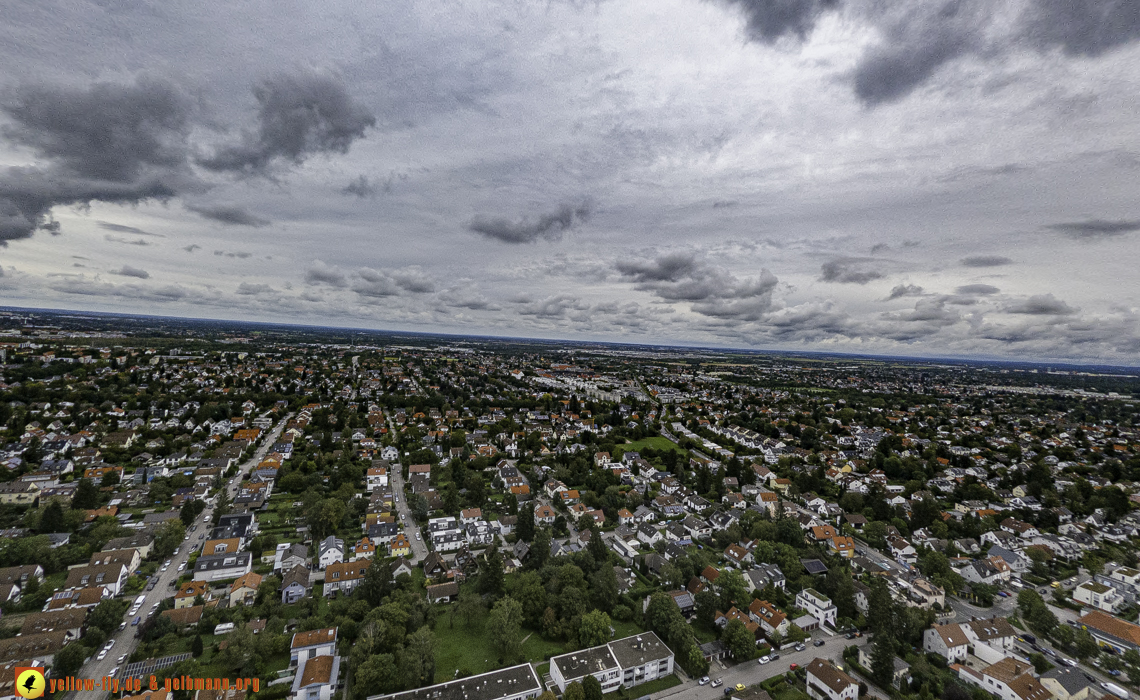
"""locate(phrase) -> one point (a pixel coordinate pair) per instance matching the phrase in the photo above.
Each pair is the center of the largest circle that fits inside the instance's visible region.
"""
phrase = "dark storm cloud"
(247, 289)
(1096, 228)
(985, 261)
(712, 291)
(228, 215)
(549, 226)
(770, 20)
(977, 289)
(128, 271)
(1041, 305)
(321, 273)
(914, 48)
(28, 194)
(905, 290)
(551, 307)
(362, 187)
(1082, 27)
(119, 228)
(849, 271)
(390, 283)
(108, 132)
(298, 116)
(233, 254)
(112, 143)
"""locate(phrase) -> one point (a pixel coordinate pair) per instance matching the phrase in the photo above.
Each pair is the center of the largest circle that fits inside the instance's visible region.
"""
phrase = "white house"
(948, 641)
(331, 551)
(1098, 595)
(622, 663)
(818, 606)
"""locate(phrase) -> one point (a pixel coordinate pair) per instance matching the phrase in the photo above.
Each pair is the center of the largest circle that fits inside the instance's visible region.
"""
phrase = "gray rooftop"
(506, 682)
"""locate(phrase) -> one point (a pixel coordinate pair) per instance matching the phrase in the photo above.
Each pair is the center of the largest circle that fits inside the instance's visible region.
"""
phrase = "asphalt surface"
(750, 673)
(125, 641)
(419, 548)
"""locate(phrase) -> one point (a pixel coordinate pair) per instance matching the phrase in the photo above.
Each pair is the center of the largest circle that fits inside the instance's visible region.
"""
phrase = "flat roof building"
(514, 683)
(621, 663)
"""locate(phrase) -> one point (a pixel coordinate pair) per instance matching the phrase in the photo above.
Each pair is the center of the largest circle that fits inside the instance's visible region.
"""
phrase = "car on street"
(717, 683)
(793, 666)
(703, 680)
(763, 660)
(102, 655)
(801, 647)
(121, 659)
(739, 686)
(818, 643)
(122, 626)
(110, 643)
(728, 690)
(202, 536)
(1067, 662)
(114, 672)
(774, 657)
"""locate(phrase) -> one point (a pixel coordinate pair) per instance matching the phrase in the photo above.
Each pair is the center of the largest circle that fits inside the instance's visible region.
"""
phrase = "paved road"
(411, 529)
(751, 673)
(125, 641)
(419, 548)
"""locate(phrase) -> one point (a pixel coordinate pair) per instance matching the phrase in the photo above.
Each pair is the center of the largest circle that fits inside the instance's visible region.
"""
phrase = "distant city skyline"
(953, 179)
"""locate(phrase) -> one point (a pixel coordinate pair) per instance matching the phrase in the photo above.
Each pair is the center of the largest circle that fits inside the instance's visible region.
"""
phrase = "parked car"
(800, 647)
(703, 680)
(763, 659)
(717, 683)
(121, 659)
(774, 657)
(792, 667)
(136, 621)
(818, 643)
(739, 686)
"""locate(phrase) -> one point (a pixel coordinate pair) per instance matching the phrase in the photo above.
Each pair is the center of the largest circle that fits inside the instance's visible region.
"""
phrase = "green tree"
(167, 537)
(597, 548)
(732, 588)
(376, 675)
(107, 615)
(196, 648)
(417, 659)
(738, 640)
(594, 629)
(110, 478)
(883, 660)
(591, 688)
(86, 495)
(469, 607)
(51, 519)
(706, 604)
(604, 587)
(377, 583)
(574, 691)
(491, 575)
(525, 525)
(880, 607)
(1086, 646)
(505, 627)
(69, 660)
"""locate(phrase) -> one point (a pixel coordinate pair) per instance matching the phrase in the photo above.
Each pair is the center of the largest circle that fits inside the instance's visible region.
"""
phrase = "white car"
(764, 659)
(121, 659)
(182, 566)
(110, 643)
(114, 672)
(102, 655)
(703, 680)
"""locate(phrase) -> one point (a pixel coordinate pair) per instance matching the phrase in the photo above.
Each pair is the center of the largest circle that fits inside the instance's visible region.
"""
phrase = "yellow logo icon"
(30, 682)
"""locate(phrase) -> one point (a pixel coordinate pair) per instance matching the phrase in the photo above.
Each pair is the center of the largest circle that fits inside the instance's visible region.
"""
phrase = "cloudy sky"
(888, 176)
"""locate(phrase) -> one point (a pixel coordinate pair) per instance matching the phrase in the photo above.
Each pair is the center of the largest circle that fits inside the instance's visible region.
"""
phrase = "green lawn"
(466, 648)
(645, 688)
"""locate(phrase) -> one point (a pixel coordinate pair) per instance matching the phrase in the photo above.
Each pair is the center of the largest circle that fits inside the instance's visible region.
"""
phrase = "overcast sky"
(875, 176)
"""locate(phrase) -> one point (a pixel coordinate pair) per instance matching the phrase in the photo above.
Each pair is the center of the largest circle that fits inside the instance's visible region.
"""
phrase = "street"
(751, 672)
(411, 530)
(125, 641)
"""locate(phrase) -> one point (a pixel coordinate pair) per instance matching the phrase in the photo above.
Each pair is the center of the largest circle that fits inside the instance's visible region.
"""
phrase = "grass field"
(645, 688)
(657, 443)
